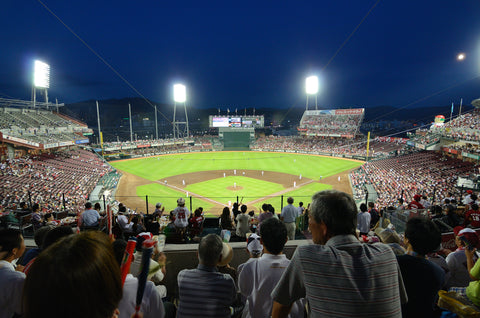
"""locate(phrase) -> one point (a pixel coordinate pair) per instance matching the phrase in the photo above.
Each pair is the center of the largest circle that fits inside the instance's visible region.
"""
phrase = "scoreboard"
(236, 121)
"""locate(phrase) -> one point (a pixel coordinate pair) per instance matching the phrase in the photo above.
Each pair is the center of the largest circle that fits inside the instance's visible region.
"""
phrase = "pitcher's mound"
(235, 188)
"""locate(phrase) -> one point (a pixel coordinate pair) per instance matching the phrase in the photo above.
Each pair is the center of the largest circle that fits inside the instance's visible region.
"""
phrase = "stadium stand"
(335, 122)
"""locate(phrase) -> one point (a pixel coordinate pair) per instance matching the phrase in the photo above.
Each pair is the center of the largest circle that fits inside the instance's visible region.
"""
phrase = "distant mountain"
(114, 116)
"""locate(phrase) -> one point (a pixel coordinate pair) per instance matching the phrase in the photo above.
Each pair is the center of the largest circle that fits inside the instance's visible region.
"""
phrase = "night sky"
(246, 53)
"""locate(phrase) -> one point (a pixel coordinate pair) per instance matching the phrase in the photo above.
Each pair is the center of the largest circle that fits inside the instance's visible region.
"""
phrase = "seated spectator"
(422, 278)
(457, 261)
(96, 281)
(472, 217)
(204, 291)
(338, 275)
(415, 204)
(260, 276)
(226, 222)
(151, 225)
(48, 219)
(97, 207)
(51, 237)
(90, 217)
(224, 265)
(243, 222)
(37, 219)
(38, 237)
(152, 305)
(12, 246)
(451, 218)
(124, 222)
(253, 221)
(137, 226)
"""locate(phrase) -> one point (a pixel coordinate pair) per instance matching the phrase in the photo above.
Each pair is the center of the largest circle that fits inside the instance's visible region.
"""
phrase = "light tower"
(311, 88)
(180, 128)
(41, 79)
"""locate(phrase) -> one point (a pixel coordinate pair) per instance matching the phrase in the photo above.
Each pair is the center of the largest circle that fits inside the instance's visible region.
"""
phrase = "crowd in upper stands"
(464, 127)
(329, 124)
(48, 179)
(425, 173)
(335, 146)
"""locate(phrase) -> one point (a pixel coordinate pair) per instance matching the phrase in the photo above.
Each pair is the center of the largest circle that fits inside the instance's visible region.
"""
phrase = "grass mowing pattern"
(310, 166)
(157, 168)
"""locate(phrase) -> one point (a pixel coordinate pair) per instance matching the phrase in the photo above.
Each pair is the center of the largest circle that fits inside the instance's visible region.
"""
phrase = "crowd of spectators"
(426, 173)
(51, 180)
(464, 127)
(335, 146)
(330, 124)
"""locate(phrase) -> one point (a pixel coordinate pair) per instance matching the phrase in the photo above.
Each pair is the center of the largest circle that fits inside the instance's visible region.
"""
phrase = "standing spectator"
(196, 223)
(243, 222)
(12, 247)
(260, 276)
(374, 215)
(264, 214)
(226, 222)
(301, 208)
(124, 222)
(90, 217)
(338, 275)
(363, 220)
(203, 290)
(288, 216)
(181, 214)
(423, 279)
(159, 209)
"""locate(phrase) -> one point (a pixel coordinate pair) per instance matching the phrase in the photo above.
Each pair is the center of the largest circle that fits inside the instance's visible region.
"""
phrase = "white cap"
(181, 201)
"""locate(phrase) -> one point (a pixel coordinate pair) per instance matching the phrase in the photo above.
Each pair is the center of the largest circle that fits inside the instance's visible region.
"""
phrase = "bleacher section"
(41, 129)
(332, 123)
(464, 127)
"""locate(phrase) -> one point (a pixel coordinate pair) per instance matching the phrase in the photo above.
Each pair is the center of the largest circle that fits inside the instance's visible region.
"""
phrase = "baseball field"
(215, 179)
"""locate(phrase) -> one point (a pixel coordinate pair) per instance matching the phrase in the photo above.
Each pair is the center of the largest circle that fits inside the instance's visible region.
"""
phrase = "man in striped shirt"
(338, 275)
(203, 291)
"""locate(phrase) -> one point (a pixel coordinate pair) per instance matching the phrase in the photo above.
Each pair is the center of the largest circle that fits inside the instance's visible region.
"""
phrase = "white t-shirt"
(11, 282)
(181, 216)
(152, 305)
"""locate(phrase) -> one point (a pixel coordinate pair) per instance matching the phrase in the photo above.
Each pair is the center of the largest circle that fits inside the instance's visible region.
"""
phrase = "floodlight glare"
(461, 56)
(311, 85)
(179, 93)
(41, 77)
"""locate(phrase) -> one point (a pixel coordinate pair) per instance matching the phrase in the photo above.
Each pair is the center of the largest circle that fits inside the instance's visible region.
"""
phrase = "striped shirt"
(204, 292)
(344, 278)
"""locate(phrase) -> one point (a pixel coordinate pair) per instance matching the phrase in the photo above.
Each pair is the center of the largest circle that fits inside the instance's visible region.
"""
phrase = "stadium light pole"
(311, 88)
(41, 79)
(179, 96)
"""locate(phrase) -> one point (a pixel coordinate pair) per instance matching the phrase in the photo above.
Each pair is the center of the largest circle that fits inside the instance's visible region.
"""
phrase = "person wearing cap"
(181, 214)
(159, 209)
(457, 260)
(204, 291)
(338, 275)
(415, 204)
(422, 278)
(254, 250)
(260, 276)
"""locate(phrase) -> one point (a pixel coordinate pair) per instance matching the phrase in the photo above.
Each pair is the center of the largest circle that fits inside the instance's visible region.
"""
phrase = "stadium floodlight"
(460, 56)
(311, 85)
(179, 93)
(41, 77)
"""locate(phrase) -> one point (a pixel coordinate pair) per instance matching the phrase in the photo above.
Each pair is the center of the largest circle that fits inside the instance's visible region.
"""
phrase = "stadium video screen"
(236, 121)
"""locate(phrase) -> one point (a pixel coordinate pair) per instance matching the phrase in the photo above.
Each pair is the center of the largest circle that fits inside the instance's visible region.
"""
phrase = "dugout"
(236, 138)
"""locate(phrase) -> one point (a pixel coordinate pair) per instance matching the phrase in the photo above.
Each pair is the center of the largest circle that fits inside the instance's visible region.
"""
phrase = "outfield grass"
(160, 167)
(310, 166)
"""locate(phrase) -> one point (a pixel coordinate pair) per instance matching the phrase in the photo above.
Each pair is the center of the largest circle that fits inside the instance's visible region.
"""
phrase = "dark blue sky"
(248, 54)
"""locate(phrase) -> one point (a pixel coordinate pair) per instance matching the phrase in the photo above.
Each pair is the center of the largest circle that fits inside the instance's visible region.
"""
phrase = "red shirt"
(473, 217)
